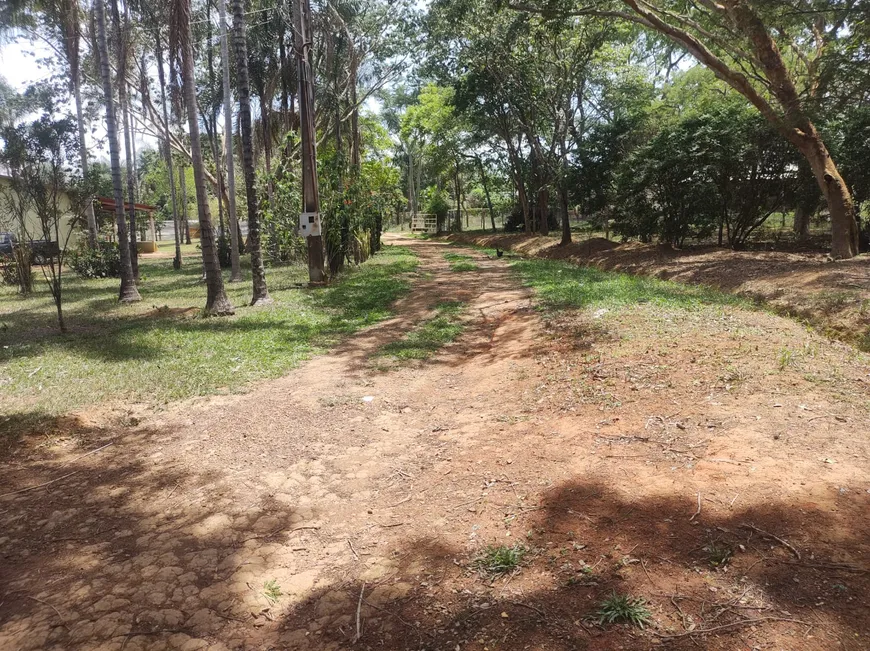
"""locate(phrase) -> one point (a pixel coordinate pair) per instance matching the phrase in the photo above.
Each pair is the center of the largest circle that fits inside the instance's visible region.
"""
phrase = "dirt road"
(343, 505)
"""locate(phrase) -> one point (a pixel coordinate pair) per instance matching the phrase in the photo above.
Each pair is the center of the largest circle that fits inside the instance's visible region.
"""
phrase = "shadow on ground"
(134, 551)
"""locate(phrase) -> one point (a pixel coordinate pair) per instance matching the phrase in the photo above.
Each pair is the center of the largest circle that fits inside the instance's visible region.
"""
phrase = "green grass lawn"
(161, 349)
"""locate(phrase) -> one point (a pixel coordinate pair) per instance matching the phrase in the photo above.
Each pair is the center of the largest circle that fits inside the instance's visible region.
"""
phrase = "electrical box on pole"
(309, 221)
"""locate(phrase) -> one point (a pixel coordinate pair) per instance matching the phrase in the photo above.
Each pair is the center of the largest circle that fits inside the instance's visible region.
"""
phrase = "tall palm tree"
(129, 293)
(121, 38)
(261, 292)
(217, 303)
(158, 48)
(228, 141)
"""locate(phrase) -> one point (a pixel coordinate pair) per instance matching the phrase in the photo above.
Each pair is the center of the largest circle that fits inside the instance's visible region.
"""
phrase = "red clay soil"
(834, 297)
(668, 454)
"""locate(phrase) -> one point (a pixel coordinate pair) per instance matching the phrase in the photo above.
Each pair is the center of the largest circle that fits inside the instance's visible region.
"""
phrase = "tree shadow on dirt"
(588, 543)
(135, 549)
(120, 544)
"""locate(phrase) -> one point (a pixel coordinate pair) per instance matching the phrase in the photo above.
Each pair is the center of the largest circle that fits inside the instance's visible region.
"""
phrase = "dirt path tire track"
(169, 538)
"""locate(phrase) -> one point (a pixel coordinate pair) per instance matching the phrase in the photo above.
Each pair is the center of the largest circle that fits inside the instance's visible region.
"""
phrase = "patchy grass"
(500, 559)
(718, 554)
(619, 608)
(428, 337)
(786, 358)
(459, 262)
(564, 285)
(272, 591)
(161, 349)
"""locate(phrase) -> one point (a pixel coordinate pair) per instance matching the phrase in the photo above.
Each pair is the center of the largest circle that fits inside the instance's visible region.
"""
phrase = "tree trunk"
(844, 227)
(258, 270)
(335, 254)
(125, 117)
(265, 114)
(217, 303)
(801, 224)
(285, 83)
(412, 200)
(185, 217)
(566, 223)
(485, 184)
(232, 215)
(210, 123)
(129, 293)
(517, 173)
(543, 211)
(83, 152)
(355, 146)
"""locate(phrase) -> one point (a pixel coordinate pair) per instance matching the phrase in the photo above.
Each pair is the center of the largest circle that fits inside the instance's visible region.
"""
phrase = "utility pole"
(309, 220)
(236, 274)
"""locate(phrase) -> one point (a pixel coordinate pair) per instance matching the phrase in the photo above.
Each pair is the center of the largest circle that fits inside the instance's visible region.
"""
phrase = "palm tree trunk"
(217, 303)
(83, 152)
(236, 272)
(129, 293)
(185, 217)
(125, 116)
(177, 261)
(258, 270)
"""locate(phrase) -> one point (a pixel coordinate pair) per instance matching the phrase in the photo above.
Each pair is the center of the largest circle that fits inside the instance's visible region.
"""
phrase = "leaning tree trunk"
(129, 293)
(258, 270)
(217, 303)
(844, 226)
(232, 216)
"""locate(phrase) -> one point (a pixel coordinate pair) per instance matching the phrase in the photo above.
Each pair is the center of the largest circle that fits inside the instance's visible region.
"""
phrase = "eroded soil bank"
(834, 297)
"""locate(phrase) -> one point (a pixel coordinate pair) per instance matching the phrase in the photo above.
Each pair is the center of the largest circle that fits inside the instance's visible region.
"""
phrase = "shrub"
(104, 261)
(225, 247)
(8, 270)
(515, 222)
(437, 205)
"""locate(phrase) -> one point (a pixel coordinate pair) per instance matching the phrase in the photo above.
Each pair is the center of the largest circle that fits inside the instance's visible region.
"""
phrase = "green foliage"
(279, 221)
(725, 168)
(619, 608)
(225, 247)
(500, 559)
(104, 261)
(9, 273)
(431, 335)
(786, 358)
(437, 204)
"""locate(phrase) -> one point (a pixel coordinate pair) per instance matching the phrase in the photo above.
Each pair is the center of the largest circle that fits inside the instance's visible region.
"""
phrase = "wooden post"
(302, 43)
